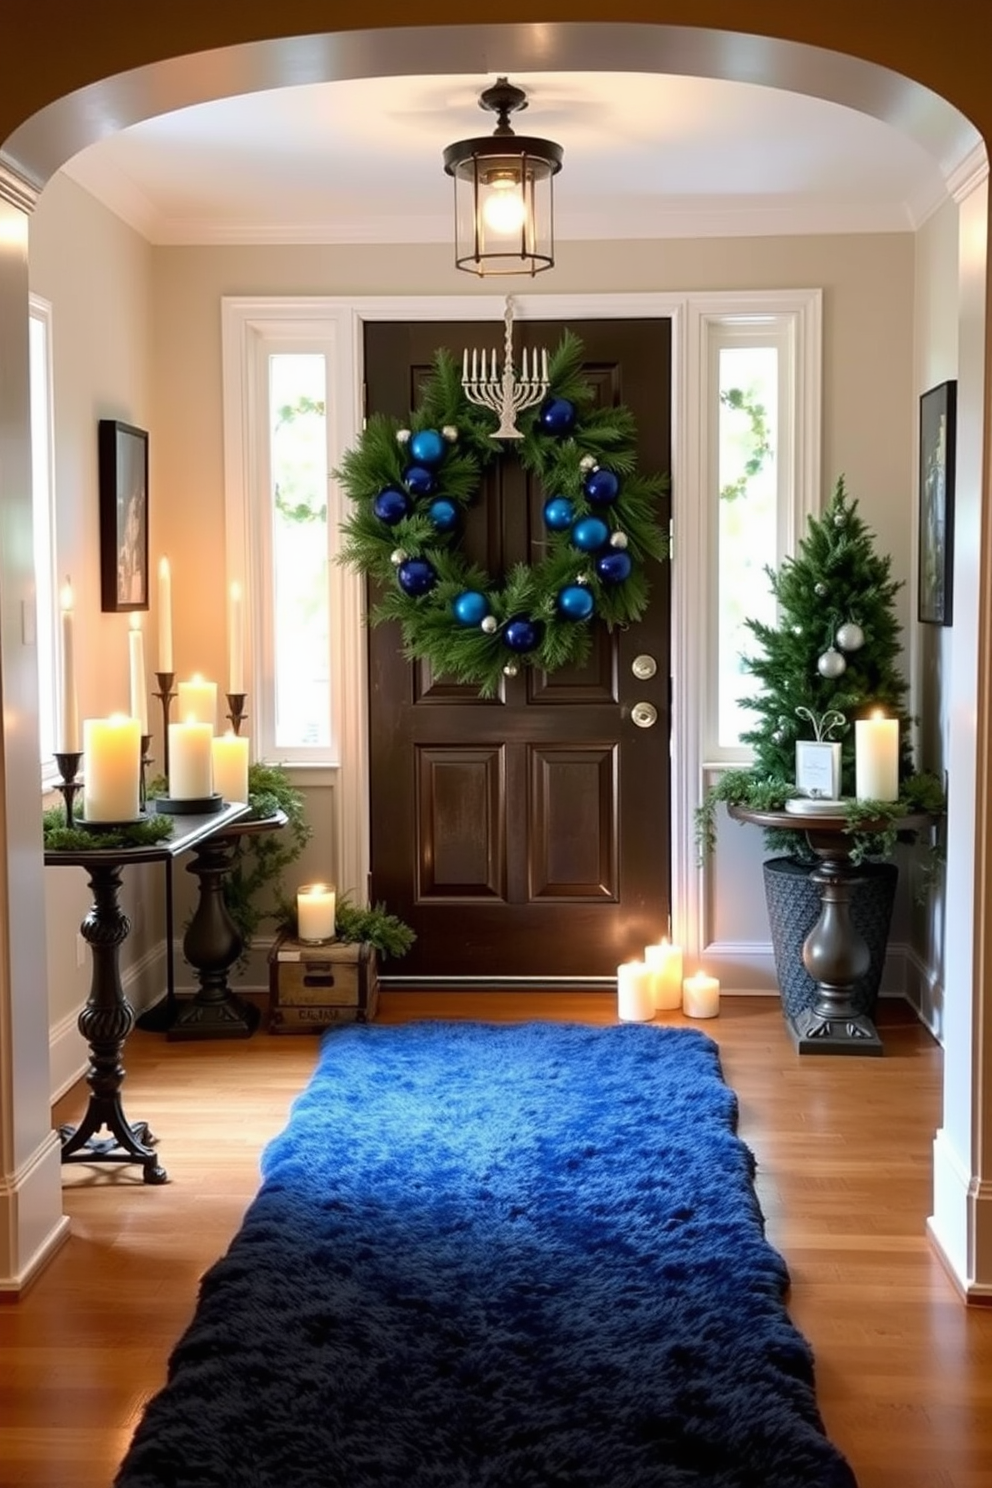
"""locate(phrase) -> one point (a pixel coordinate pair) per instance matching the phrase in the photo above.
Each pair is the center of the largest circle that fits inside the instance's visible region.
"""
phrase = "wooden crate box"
(312, 987)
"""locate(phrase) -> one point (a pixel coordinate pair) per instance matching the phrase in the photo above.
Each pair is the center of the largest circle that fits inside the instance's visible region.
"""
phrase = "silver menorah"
(483, 383)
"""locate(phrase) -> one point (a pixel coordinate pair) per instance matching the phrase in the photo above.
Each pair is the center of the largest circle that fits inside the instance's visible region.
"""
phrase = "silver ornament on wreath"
(398, 556)
(618, 540)
(831, 664)
(850, 637)
(402, 436)
(588, 462)
(821, 589)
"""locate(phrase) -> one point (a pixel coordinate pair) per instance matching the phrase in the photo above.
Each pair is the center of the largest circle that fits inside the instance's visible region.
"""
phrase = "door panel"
(527, 835)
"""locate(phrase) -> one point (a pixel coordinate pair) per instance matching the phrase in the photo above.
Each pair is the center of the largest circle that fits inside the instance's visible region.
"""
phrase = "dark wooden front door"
(526, 836)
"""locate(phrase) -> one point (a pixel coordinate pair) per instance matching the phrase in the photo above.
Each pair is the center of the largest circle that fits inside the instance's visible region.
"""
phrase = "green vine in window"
(761, 448)
(299, 511)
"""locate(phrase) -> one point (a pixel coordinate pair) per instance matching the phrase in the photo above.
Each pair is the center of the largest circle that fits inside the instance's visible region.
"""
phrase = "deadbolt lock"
(643, 667)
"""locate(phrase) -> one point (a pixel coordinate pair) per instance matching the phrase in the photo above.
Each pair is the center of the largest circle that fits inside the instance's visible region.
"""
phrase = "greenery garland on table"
(58, 837)
(411, 487)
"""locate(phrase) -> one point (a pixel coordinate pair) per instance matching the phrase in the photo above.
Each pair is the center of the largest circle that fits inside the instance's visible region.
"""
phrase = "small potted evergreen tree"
(831, 659)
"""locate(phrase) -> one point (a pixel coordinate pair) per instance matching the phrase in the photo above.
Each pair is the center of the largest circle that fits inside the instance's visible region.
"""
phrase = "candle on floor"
(136, 652)
(236, 642)
(316, 907)
(701, 996)
(876, 758)
(111, 768)
(164, 616)
(230, 766)
(190, 762)
(665, 964)
(635, 993)
(67, 736)
(198, 701)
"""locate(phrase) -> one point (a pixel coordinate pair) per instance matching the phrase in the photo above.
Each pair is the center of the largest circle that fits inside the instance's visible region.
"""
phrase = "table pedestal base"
(105, 1022)
(212, 945)
(814, 1033)
(836, 956)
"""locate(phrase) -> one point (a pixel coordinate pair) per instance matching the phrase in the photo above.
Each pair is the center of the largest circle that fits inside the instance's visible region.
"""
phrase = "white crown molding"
(968, 173)
(17, 189)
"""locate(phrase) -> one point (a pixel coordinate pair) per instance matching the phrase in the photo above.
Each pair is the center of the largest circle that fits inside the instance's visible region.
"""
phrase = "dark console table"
(834, 953)
(107, 1017)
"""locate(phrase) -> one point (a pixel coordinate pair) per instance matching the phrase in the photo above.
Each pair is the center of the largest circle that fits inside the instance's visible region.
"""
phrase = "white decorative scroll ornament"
(824, 726)
(484, 384)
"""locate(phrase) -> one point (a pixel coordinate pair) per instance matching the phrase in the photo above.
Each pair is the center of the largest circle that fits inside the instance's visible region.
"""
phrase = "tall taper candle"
(164, 616)
(67, 738)
(198, 701)
(236, 642)
(139, 692)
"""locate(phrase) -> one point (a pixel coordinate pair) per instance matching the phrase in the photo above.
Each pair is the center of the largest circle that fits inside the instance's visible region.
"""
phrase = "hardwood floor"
(904, 1369)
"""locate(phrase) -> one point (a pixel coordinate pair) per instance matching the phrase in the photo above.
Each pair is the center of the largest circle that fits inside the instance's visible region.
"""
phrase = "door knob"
(645, 715)
(643, 667)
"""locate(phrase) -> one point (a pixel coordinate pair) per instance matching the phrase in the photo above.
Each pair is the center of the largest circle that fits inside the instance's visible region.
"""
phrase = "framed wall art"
(123, 452)
(938, 409)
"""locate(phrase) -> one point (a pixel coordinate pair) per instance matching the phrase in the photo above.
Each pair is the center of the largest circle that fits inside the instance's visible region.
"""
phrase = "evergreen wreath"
(411, 486)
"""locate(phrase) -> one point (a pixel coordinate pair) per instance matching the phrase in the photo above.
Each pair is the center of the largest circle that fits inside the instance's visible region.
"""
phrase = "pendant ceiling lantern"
(504, 193)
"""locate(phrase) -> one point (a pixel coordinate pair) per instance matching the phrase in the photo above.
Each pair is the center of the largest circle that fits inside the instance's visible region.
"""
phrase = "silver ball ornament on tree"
(840, 519)
(821, 589)
(850, 637)
(398, 556)
(450, 433)
(402, 436)
(588, 462)
(511, 669)
(618, 540)
(490, 624)
(831, 664)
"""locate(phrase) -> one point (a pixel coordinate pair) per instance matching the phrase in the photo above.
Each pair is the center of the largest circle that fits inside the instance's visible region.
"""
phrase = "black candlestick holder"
(68, 763)
(146, 760)
(165, 695)
(236, 703)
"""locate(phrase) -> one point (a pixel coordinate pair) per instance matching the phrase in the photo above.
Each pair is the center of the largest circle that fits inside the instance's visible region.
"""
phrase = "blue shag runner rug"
(497, 1256)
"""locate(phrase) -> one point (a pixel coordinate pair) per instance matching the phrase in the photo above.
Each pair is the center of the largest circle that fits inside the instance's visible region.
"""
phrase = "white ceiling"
(646, 155)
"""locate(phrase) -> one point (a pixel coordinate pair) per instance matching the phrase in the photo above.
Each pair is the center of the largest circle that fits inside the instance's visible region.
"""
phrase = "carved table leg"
(837, 957)
(105, 1023)
(212, 944)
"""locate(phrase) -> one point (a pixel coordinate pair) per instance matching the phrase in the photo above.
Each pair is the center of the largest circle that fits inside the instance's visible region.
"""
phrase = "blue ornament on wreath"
(427, 447)
(590, 534)
(522, 635)
(558, 514)
(443, 513)
(391, 505)
(416, 577)
(419, 481)
(470, 607)
(601, 487)
(557, 416)
(575, 602)
(614, 567)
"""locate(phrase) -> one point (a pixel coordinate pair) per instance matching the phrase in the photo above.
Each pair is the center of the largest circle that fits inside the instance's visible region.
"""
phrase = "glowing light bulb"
(503, 210)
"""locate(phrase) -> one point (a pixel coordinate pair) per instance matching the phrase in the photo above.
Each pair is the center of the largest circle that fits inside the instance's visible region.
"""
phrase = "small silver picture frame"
(818, 769)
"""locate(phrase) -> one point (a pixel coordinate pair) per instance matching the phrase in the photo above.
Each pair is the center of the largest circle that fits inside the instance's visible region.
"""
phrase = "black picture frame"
(938, 419)
(123, 453)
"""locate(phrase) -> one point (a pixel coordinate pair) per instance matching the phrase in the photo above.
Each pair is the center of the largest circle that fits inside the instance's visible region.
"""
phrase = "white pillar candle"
(876, 758)
(111, 768)
(230, 766)
(67, 741)
(316, 907)
(139, 694)
(665, 964)
(164, 616)
(236, 642)
(701, 996)
(190, 763)
(635, 993)
(198, 701)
